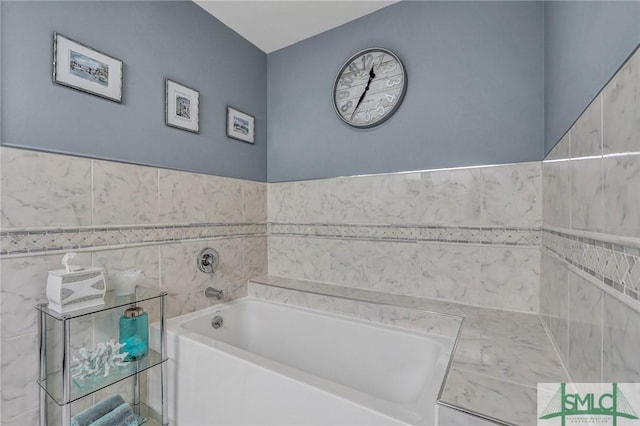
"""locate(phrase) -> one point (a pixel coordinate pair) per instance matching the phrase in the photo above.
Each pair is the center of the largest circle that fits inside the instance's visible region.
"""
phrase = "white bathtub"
(276, 364)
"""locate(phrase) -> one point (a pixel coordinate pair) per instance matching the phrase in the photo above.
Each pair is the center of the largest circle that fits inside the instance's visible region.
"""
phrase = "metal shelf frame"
(63, 378)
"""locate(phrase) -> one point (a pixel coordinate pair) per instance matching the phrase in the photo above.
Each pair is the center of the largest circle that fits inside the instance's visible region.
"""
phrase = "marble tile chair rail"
(614, 264)
(30, 241)
(521, 236)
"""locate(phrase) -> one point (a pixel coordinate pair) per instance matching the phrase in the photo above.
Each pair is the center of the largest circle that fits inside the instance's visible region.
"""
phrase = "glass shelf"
(53, 385)
(148, 416)
(111, 301)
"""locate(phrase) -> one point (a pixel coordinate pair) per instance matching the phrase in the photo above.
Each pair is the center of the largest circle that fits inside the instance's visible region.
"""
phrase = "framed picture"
(240, 126)
(182, 107)
(88, 70)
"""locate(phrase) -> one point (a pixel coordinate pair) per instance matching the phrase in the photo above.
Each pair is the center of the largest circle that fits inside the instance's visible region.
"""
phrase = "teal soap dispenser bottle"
(134, 333)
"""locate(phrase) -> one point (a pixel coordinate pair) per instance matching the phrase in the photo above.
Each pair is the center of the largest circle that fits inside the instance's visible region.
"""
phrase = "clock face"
(369, 88)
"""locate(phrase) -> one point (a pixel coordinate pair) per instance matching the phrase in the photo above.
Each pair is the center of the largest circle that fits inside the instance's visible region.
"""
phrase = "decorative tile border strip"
(37, 241)
(449, 234)
(615, 265)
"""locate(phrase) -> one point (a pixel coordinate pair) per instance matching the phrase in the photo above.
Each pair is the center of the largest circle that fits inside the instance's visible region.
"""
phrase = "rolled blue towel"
(93, 413)
(120, 416)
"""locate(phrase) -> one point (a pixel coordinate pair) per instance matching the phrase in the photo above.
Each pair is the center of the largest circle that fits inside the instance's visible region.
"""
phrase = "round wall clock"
(369, 88)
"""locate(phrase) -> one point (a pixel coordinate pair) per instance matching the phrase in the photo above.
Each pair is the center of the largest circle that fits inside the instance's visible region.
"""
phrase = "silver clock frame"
(395, 107)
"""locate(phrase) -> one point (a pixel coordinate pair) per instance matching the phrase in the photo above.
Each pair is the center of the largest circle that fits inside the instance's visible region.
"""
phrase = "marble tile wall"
(481, 197)
(469, 235)
(595, 328)
(590, 275)
(118, 216)
(491, 276)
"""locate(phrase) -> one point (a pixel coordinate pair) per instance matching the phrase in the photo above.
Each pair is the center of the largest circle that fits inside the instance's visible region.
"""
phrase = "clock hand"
(359, 102)
(372, 75)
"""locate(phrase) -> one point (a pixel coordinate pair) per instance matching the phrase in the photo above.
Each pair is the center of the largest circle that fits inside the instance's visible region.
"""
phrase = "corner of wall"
(590, 286)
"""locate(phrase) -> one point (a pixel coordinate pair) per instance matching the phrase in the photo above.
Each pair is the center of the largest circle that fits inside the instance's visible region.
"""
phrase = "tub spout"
(213, 292)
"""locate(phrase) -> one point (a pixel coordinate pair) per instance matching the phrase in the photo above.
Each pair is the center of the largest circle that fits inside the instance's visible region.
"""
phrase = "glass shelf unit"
(111, 301)
(55, 347)
(54, 387)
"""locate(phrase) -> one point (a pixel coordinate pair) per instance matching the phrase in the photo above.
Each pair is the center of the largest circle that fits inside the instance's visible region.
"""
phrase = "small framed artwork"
(240, 126)
(82, 68)
(182, 107)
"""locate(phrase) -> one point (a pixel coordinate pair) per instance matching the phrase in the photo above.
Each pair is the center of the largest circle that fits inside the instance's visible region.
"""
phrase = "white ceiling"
(272, 25)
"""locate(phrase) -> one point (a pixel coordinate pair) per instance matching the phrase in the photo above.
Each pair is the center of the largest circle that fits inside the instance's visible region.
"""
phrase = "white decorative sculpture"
(98, 362)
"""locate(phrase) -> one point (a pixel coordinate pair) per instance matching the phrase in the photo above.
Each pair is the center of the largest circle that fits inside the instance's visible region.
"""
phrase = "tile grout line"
(568, 361)
(18, 336)
(158, 195)
(602, 183)
(570, 178)
(91, 187)
(602, 162)
(602, 320)
(556, 348)
(160, 269)
(568, 339)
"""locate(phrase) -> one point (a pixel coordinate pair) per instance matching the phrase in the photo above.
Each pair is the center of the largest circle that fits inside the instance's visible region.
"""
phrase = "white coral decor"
(98, 362)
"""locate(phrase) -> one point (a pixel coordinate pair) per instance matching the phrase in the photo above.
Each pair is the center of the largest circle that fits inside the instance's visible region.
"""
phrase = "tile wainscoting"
(490, 276)
(446, 234)
(594, 327)
(590, 282)
(118, 216)
(468, 235)
(487, 196)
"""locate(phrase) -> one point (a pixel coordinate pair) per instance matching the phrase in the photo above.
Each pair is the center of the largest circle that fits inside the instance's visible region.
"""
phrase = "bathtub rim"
(321, 312)
(256, 281)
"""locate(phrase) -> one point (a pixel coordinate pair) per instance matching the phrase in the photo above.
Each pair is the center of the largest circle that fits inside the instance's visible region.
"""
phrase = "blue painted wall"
(585, 43)
(156, 40)
(477, 75)
(475, 92)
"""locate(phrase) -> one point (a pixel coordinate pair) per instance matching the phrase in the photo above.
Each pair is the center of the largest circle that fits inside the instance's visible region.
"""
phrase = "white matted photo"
(88, 70)
(182, 107)
(240, 126)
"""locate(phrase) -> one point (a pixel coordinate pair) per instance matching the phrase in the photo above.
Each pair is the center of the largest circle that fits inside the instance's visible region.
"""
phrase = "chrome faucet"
(213, 292)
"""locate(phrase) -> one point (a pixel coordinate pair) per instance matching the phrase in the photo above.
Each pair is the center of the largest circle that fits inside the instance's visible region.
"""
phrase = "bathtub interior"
(386, 369)
(403, 361)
